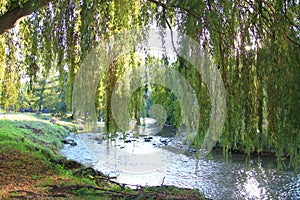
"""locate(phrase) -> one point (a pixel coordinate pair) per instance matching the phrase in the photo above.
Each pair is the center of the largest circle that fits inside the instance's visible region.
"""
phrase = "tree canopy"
(255, 45)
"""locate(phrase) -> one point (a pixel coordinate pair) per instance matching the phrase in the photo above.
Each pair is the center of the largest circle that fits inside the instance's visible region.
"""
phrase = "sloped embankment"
(31, 169)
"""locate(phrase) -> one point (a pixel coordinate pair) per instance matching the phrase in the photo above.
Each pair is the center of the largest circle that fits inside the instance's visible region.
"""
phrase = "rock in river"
(69, 141)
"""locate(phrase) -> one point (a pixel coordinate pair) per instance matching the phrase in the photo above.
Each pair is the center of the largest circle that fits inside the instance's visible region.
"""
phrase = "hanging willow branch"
(273, 13)
(197, 16)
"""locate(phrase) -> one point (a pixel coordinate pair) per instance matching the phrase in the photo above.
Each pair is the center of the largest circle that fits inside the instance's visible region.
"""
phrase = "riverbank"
(31, 168)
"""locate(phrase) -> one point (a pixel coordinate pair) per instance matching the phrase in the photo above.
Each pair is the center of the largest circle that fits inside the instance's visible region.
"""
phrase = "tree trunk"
(11, 17)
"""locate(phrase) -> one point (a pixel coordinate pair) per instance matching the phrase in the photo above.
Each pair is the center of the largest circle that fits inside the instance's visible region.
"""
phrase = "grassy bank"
(31, 168)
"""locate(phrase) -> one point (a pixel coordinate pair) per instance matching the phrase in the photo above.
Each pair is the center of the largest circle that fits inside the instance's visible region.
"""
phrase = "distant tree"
(44, 95)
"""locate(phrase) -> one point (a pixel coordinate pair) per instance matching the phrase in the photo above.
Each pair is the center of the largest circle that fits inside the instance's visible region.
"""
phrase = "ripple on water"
(215, 177)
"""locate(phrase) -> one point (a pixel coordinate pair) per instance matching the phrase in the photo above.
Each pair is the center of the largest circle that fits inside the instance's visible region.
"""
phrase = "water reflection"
(214, 176)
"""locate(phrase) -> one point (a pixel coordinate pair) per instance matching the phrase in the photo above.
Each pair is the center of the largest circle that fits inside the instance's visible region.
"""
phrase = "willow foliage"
(254, 43)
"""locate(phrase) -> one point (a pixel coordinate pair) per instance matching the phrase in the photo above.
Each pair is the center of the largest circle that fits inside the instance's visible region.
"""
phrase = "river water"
(146, 159)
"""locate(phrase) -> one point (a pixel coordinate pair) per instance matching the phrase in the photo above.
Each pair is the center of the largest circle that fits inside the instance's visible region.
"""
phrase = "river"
(146, 159)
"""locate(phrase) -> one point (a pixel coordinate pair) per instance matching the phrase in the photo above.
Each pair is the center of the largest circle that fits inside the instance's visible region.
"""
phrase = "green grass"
(28, 144)
(28, 133)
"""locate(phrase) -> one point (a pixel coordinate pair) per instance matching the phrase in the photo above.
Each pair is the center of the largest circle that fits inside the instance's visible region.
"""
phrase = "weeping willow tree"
(255, 45)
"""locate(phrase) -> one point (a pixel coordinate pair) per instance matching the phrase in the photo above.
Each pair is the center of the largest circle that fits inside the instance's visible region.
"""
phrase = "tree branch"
(11, 17)
(165, 6)
(197, 16)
